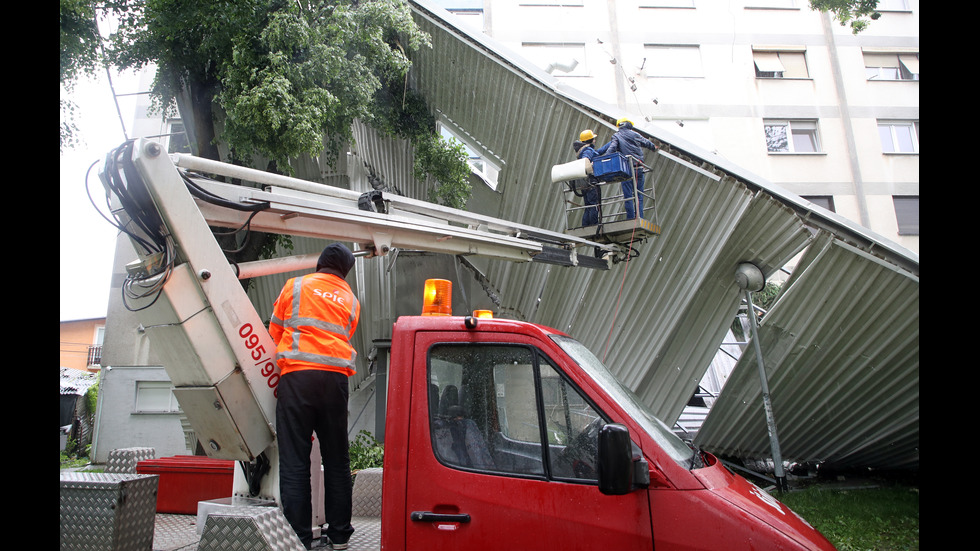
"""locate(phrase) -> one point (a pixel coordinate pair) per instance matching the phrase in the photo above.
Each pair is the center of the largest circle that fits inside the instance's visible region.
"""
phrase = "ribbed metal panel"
(658, 320)
(841, 350)
(843, 392)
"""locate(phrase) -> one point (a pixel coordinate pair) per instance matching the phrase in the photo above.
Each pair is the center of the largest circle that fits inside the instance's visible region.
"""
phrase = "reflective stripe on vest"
(295, 322)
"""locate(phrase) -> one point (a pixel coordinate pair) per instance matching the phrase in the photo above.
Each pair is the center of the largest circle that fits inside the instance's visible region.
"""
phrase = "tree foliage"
(852, 12)
(284, 77)
(80, 55)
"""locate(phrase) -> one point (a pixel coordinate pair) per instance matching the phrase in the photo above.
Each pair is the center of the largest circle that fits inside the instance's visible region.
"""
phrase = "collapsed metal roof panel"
(658, 320)
(651, 316)
(841, 352)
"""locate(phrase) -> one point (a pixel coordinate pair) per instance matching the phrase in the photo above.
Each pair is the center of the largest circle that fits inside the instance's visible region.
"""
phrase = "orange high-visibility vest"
(312, 323)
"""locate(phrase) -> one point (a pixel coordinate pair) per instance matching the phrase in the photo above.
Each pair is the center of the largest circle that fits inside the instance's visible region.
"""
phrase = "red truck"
(498, 434)
(507, 434)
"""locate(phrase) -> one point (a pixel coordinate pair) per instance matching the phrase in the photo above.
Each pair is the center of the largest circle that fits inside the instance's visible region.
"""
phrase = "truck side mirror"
(615, 460)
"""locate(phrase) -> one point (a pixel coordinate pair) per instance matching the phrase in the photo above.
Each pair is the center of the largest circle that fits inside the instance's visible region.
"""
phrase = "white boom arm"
(212, 343)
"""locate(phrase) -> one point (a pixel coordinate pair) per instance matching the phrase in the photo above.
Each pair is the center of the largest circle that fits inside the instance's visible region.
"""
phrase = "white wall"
(119, 425)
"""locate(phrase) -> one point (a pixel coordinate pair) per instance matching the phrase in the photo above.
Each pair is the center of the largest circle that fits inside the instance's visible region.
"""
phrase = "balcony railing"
(94, 355)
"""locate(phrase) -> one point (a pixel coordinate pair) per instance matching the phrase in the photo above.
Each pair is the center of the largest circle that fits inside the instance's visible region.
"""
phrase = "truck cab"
(506, 433)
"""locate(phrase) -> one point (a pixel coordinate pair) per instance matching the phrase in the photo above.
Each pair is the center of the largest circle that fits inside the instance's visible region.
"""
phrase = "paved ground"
(179, 533)
(173, 532)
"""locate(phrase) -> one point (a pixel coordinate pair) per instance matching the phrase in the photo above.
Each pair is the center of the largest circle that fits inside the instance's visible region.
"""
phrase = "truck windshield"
(625, 397)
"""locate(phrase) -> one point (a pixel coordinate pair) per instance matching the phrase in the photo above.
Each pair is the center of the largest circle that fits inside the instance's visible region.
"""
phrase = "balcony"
(94, 356)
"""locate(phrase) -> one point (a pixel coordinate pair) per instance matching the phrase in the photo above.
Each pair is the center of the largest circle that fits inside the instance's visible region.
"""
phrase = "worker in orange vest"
(312, 324)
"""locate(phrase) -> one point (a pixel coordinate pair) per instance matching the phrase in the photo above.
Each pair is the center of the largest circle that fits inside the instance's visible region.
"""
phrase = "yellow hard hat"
(586, 135)
(622, 120)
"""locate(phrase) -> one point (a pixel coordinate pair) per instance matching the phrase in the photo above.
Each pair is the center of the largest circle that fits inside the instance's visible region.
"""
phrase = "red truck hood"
(760, 504)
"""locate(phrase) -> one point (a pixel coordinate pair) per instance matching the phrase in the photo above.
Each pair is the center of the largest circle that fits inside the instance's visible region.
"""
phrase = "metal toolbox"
(107, 511)
(187, 479)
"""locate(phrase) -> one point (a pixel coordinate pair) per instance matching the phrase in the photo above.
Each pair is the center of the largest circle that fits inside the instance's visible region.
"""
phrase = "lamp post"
(750, 278)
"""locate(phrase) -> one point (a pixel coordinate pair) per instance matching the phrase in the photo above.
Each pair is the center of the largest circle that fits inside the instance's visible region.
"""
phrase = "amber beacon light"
(437, 298)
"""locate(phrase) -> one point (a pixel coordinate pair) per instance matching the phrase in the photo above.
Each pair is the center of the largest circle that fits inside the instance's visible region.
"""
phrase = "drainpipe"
(750, 278)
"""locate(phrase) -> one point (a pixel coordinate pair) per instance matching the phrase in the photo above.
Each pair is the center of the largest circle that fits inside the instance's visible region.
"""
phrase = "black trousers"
(314, 401)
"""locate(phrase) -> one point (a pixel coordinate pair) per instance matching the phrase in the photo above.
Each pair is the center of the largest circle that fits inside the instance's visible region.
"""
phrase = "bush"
(366, 452)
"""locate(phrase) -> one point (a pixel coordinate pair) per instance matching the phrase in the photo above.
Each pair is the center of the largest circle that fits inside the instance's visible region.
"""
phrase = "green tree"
(80, 55)
(853, 12)
(280, 78)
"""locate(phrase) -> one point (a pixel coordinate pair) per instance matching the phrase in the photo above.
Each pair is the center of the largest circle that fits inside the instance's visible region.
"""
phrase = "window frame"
(676, 66)
(667, 4)
(177, 139)
(892, 6)
(824, 201)
(147, 394)
(906, 214)
(895, 138)
(790, 125)
(481, 164)
(772, 5)
(781, 60)
(890, 66)
(545, 446)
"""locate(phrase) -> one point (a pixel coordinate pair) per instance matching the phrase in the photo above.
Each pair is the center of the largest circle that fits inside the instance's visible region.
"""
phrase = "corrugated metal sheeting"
(841, 343)
(658, 319)
(841, 351)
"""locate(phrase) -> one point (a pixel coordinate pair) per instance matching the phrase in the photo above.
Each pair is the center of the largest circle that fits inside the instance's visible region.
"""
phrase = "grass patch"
(71, 461)
(885, 518)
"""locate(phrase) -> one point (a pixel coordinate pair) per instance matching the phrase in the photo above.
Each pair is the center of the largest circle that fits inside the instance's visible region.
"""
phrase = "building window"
(825, 201)
(473, 18)
(510, 410)
(667, 4)
(177, 137)
(480, 164)
(780, 64)
(891, 66)
(554, 3)
(798, 136)
(771, 4)
(155, 397)
(892, 5)
(899, 136)
(907, 214)
(672, 60)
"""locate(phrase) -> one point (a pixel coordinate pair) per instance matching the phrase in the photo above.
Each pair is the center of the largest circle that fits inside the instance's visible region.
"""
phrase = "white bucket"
(579, 168)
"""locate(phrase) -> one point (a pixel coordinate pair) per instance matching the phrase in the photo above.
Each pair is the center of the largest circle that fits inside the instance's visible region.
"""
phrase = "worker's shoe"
(325, 543)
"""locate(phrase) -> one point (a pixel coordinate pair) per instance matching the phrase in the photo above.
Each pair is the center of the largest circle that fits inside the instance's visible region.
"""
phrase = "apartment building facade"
(773, 86)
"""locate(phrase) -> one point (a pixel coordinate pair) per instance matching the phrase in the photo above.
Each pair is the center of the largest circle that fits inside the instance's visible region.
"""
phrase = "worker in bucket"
(627, 141)
(585, 149)
(312, 324)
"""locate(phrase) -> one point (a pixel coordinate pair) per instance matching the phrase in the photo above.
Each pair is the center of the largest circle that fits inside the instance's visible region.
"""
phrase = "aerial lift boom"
(186, 295)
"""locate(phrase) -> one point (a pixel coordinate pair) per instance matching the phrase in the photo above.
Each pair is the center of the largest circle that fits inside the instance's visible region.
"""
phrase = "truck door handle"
(428, 516)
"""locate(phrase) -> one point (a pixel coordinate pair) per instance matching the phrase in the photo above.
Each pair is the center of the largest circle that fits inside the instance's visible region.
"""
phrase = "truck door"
(503, 454)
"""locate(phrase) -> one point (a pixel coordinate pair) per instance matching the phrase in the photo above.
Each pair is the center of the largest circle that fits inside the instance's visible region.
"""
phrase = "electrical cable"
(207, 196)
(143, 225)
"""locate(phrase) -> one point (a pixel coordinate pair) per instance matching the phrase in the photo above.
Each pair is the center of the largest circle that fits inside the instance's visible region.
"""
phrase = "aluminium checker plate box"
(107, 511)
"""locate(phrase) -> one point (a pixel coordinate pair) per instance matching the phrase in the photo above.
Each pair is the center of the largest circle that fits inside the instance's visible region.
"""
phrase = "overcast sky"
(87, 239)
